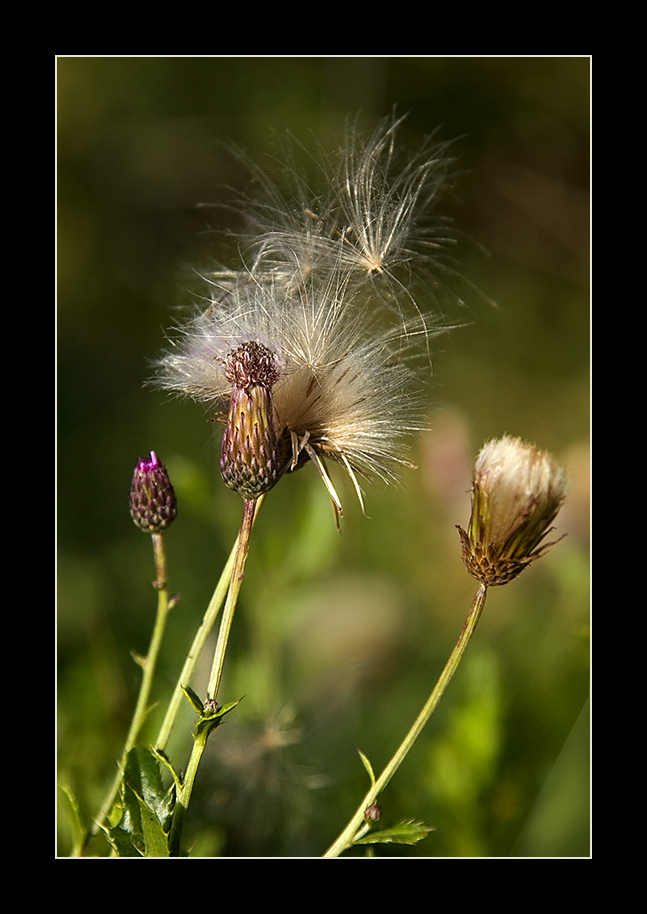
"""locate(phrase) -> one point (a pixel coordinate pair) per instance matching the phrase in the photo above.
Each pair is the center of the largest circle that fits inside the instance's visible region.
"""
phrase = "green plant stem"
(249, 511)
(201, 735)
(182, 805)
(199, 642)
(148, 664)
(357, 823)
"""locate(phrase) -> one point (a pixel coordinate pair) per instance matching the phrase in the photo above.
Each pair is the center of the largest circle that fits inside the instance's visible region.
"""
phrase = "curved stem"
(148, 665)
(350, 833)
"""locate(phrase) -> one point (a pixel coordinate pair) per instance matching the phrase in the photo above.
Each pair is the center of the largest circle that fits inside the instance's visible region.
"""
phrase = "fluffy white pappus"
(388, 199)
(372, 209)
(324, 291)
(349, 378)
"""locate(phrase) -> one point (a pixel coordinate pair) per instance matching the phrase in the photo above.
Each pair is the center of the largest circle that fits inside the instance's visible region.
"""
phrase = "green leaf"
(227, 708)
(147, 805)
(164, 759)
(143, 776)
(368, 766)
(139, 659)
(155, 838)
(70, 809)
(211, 719)
(409, 832)
(193, 699)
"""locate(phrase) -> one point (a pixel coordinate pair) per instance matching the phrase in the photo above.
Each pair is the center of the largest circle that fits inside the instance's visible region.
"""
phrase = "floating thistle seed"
(153, 505)
(372, 210)
(517, 491)
(250, 460)
(313, 344)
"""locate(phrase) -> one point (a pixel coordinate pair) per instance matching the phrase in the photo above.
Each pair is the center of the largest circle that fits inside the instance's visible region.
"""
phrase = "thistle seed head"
(251, 364)
(316, 357)
(517, 491)
(153, 505)
(251, 461)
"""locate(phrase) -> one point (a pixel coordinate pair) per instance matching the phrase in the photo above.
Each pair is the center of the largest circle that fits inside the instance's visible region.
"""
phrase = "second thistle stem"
(238, 571)
(148, 666)
(194, 653)
(349, 834)
(200, 739)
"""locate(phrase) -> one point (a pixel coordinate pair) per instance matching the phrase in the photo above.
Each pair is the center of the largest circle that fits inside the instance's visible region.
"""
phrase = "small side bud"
(373, 813)
(153, 505)
(517, 491)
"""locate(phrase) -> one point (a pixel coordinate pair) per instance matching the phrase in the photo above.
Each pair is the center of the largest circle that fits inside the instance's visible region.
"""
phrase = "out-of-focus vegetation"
(339, 637)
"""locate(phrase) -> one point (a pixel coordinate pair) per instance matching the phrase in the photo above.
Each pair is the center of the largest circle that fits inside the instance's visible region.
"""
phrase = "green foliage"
(409, 832)
(69, 808)
(145, 809)
(210, 713)
(369, 768)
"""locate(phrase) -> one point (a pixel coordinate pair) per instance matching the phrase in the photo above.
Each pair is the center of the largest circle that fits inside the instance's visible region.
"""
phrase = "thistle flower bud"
(373, 813)
(250, 459)
(517, 491)
(153, 505)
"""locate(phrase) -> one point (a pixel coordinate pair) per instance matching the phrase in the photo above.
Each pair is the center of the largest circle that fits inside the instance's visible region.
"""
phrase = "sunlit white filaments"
(346, 353)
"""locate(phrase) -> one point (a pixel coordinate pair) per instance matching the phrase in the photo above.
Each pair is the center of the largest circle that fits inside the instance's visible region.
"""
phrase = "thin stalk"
(249, 511)
(201, 736)
(357, 823)
(184, 799)
(148, 666)
(199, 641)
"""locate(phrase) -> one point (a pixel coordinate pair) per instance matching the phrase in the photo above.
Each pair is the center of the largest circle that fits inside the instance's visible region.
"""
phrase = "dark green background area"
(339, 637)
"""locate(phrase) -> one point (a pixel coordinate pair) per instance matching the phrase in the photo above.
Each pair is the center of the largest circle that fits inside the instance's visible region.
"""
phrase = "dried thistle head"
(339, 385)
(314, 363)
(517, 491)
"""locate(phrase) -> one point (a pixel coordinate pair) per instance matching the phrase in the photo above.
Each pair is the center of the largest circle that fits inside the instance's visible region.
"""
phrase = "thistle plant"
(153, 508)
(314, 358)
(517, 491)
(314, 349)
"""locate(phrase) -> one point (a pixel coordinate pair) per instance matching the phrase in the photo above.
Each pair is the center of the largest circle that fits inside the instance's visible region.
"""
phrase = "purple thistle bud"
(153, 505)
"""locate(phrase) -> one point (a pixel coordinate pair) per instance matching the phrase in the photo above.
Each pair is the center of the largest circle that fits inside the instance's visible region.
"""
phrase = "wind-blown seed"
(314, 342)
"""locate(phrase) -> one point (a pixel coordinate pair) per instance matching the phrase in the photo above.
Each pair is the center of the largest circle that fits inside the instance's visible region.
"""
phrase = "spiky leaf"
(146, 808)
(409, 832)
(193, 699)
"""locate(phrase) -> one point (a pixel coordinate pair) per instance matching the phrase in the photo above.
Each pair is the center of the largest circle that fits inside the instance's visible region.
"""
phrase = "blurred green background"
(339, 637)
